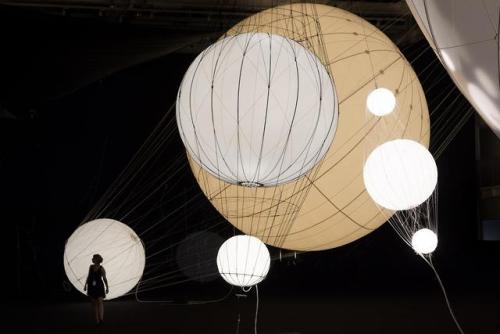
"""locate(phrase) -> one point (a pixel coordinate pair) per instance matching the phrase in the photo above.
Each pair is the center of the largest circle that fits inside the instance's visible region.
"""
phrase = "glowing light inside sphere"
(257, 109)
(120, 247)
(243, 260)
(381, 102)
(400, 174)
(424, 241)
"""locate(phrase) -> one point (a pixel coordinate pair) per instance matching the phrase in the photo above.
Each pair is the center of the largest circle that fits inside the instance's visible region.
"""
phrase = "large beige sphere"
(329, 207)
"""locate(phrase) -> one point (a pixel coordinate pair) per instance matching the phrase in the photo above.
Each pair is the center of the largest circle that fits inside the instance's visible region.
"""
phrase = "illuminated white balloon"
(381, 102)
(464, 36)
(243, 260)
(257, 109)
(400, 174)
(424, 241)
(120, 247)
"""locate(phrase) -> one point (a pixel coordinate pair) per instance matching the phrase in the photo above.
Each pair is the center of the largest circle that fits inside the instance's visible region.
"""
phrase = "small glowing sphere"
(400, 174)
(424, 241)
(257, 109)
(243, 260)
(381, 102)
(120, 247)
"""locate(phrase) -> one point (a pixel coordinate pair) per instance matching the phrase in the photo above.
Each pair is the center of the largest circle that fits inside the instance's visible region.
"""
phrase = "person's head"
(97, 259)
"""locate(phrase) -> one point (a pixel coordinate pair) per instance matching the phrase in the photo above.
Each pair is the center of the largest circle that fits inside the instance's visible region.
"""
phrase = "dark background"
(79, 96)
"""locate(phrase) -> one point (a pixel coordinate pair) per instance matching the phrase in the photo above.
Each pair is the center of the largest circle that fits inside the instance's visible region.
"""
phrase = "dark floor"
(402, 315)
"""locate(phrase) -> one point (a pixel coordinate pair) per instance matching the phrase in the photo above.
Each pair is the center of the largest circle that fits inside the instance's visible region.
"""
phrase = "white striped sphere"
(257, 109)
(243, 261)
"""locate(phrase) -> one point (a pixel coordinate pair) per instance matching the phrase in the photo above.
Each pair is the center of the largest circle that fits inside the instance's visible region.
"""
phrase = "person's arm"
(105, 279)
(87, 280)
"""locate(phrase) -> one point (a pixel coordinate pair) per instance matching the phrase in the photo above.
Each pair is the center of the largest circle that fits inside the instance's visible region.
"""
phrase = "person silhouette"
(94, 285)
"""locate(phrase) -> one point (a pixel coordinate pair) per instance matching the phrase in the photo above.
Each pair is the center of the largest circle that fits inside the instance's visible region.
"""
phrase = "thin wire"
(441, 285)
(406, 223)
(194, 302)
(238, 322)
(256, 307)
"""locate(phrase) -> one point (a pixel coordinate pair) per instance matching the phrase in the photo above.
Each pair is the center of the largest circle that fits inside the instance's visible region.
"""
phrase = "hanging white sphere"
(464, 36)
(381, 101)
(120, 247)
(400, 174)
(257, 109)
(424, 241)
(243, 260)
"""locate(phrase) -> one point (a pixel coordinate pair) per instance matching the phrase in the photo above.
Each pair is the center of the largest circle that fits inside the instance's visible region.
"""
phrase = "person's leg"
(100, 303)
(95, 308)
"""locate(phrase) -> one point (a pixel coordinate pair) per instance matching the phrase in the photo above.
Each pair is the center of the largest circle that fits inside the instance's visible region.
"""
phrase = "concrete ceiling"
(192, 16)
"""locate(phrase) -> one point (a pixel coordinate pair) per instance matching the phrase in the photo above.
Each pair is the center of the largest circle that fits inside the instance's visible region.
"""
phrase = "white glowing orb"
(243, 260)
(381, 102)
(120, 247)
(424, 241)
(400, 174)
(257, 109)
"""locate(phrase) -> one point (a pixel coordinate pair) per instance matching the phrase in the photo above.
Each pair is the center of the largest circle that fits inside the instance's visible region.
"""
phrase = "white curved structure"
(257, 109)
(243, 260)
(464, 35)
(120, 247)
(400, 174)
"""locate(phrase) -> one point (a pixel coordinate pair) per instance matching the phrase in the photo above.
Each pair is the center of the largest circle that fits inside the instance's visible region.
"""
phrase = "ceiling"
(191, 16)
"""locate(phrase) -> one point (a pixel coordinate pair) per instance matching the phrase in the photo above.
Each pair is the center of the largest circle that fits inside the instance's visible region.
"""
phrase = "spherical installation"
(243, 261)
(381, 102)
(424, 241)
(257, 109)
(120, 247)
(400, 174)
(330, 207)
